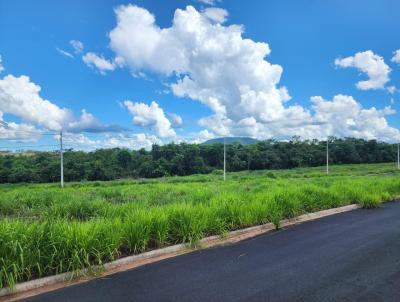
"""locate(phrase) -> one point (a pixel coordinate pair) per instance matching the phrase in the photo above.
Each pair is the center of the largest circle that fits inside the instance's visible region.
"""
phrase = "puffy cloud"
(297, 121)
(1, 65)
(150, 116)
(89, 123)
(18, 132)
(371, 64)
(396, 56)
(21, 97)
(135, 141)
(344, 116)
(176, 120)
(77, 46)
(205, 135)
(218, 124)
(95, 61)
(64, 53)
(215, 14)
(215, 65)
(201, 137)
(87, 120)
(141, 44)
(73, 140)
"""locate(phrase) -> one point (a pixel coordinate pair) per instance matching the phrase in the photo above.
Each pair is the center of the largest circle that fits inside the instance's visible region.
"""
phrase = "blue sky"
(235, 84)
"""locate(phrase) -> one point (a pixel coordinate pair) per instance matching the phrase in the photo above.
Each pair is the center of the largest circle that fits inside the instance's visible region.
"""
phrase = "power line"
(7, 126)
(52, 133)
(16, 139)
(32, 132)
(30, 146)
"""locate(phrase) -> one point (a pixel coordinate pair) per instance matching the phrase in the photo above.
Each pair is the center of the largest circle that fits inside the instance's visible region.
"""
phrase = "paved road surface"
(353, 256)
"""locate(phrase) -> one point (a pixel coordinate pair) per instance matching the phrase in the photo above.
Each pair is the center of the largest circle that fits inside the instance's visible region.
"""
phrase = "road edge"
(50, 283)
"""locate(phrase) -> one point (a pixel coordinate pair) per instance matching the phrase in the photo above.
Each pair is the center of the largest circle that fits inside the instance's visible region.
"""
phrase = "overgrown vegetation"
(45, 230)
(186, 159)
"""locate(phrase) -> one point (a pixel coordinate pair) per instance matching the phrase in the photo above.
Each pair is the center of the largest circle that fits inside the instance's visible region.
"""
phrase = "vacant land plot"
(46, 230)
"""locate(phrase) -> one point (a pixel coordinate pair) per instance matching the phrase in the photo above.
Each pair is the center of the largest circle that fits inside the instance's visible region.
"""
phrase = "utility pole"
(327, 155)
(224, 159)
(61, 159)
(398, 155)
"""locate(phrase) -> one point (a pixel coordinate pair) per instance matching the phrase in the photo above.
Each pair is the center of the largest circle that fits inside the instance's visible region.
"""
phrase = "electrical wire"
(123, 134)
(32, 132)
(30, 146)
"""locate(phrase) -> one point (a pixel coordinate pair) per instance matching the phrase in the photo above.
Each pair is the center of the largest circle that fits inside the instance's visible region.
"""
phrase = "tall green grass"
(45, 230)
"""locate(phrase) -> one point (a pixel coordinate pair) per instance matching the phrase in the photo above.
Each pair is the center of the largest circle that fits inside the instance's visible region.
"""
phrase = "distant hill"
(232, 140)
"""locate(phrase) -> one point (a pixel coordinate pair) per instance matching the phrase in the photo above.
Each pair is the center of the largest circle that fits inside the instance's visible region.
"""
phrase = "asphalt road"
(353, 256)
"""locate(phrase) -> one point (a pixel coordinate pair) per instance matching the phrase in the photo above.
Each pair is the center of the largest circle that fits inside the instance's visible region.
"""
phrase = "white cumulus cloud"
(18, 132)
(77, 46)
(216, 65)
(396, 56)
(98, 61)
(344, 116)
(216, 14)
(176, 120)
(134, 141)
(20, 97)
(151, 116)
(201, 137)
(372, 65)
(89, 123)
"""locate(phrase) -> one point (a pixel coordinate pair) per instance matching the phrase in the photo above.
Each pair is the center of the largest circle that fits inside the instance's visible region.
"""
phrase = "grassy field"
(45, 230)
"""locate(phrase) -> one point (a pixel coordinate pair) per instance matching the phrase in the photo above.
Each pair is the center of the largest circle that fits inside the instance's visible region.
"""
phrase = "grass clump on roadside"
(45, 230)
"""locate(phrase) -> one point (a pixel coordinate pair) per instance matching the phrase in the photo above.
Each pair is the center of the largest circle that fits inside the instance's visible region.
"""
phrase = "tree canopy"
(185, 159)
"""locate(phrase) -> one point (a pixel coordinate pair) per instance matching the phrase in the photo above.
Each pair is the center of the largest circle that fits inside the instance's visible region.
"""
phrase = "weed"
(45, 230)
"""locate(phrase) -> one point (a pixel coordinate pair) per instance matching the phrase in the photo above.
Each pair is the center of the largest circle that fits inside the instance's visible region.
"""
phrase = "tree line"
(185, 159)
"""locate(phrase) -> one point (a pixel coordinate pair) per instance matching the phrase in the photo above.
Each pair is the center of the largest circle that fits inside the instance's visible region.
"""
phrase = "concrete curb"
(156, 255)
